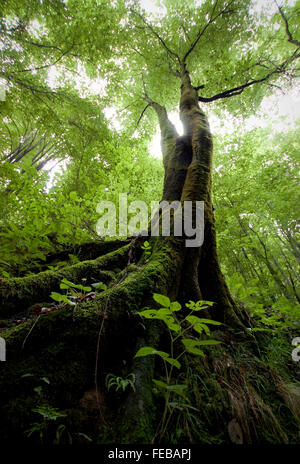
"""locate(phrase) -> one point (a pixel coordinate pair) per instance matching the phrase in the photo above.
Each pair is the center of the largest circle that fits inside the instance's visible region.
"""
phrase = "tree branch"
(167, 129)
(34, 88)
(202, 31)
(43, 66)
(287, 30)
(142, 114)
(174, 73)
(239, 89)
(161, 40)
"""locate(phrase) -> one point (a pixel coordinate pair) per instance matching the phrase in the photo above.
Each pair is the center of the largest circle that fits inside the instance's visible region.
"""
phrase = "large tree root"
(86, 251)
(18, 293)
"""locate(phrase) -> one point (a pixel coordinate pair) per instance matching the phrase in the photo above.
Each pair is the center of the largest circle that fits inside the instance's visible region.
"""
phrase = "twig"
(31, 329)
(202, 31)
(239, 89)
(142, 114)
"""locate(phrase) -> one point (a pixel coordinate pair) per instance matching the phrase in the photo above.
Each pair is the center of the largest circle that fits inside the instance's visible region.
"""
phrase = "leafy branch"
(211, 20)
(287, 29)
(281, 69)
(161, 40)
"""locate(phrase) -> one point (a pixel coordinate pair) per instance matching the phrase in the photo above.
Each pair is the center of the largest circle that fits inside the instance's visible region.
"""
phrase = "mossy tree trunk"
(188, 169)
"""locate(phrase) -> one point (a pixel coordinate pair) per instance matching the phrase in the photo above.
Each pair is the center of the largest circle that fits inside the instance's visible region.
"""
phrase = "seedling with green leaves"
(120, 383)
(99, 286)
(146, 247)
(179, 329)
(48, 415)
(74, 291)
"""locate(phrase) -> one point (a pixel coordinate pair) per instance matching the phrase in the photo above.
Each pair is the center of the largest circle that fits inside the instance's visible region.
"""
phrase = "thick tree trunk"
(188, 164)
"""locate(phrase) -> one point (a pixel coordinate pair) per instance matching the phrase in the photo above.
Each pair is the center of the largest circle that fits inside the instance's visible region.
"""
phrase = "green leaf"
(160, 383)
(61, 298)
(173, 362)
(194, 350)
(205, 303)
(149, 313)
(175, 306)
(191, 346)
(46, 380)
(198, 328)
(148, 350)
(205, 328)
(157, 314)
(65, 284)
(189, 342)
(172, 326)
(58, 296)
(165, 312)
(162, 299)
(99, 286)
(193, 320)
(208, 342)
(210, 321)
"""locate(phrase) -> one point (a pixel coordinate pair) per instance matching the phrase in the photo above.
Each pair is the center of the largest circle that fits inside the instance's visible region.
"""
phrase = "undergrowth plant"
(74, 291)
(113, 381)
(147, 248)
(49, 415)
(182, 340)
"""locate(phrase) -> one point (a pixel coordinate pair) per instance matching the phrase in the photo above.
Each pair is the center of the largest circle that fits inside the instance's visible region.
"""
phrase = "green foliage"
(179, 328)
(71, 292)
(49, 415)
(66, 66)
(99, 286)
(255, 197)
(146, 247)
(119, 383)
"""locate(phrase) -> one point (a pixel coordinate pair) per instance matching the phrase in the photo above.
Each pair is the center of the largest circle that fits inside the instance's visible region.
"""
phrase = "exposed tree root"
(86, 251)
(18, 293)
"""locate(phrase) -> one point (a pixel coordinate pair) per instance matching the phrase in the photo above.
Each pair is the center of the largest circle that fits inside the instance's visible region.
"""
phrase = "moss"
(20, 292)
(88, 250)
